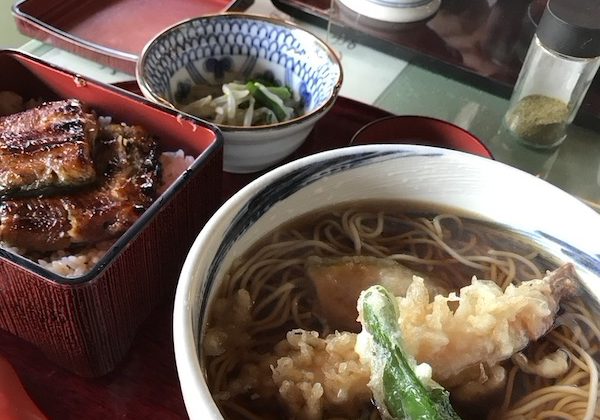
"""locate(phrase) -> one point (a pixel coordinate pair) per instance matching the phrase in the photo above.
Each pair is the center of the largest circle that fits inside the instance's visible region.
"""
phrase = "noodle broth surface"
(451, 246)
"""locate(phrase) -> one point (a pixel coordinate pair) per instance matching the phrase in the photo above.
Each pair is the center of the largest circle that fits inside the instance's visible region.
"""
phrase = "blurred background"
(9, 35)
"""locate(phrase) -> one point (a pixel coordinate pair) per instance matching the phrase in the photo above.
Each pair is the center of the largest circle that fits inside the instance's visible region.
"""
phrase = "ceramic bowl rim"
(150, 94)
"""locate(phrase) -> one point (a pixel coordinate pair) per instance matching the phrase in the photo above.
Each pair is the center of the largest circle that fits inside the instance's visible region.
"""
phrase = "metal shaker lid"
(571, 27)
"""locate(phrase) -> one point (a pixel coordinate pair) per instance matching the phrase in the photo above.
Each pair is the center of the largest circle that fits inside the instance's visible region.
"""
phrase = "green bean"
(283, 92)
(275, 103)
(405, 396)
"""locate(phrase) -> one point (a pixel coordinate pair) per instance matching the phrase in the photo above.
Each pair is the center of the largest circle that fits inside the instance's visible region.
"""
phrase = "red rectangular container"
(111, 32)
(86, 324)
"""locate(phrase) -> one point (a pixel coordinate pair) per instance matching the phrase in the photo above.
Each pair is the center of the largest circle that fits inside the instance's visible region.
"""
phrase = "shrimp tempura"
(481, 326)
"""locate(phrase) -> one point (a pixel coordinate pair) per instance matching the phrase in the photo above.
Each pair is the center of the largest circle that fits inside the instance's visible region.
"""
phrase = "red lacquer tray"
(145, 384)
(111, 32)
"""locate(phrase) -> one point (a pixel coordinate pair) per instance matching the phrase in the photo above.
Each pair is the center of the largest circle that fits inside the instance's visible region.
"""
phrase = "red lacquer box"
(86, 324)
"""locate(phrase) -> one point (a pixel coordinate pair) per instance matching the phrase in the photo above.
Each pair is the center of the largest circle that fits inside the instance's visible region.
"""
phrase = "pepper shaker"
(561, 62)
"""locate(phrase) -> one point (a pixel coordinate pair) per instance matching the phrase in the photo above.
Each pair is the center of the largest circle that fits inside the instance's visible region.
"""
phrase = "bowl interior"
(214, 50)
(411, 173)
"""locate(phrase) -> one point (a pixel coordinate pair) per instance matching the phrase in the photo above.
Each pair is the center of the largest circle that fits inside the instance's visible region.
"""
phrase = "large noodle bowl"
(255, 351)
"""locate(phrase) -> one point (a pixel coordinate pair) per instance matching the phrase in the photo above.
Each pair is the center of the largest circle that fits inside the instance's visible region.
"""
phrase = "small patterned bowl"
(217, 49)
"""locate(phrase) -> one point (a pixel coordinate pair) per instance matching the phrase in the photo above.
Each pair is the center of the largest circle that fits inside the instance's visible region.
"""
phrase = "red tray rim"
(67, 37)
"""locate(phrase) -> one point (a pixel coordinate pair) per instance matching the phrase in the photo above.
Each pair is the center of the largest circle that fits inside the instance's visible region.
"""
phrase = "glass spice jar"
(561, 62)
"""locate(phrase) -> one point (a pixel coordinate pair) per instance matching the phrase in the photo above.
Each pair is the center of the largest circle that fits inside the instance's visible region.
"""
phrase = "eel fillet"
(47, 148)
(127, 162)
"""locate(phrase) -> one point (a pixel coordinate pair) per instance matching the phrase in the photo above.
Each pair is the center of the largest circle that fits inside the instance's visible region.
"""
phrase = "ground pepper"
(539, 120)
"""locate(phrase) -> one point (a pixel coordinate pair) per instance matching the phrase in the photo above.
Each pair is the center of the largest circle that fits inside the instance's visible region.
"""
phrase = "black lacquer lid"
(571, 27)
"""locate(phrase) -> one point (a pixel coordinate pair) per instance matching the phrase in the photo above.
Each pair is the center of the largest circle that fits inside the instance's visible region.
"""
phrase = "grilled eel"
(127, 162)
(47, 147)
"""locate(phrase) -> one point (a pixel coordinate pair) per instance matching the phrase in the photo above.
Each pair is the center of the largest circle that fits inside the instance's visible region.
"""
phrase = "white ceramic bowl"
(394, 11)
(567, 228)
(217, 49)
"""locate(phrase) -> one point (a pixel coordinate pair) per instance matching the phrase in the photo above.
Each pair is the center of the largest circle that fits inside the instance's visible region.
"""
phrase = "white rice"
(75, 264)
(173, 164)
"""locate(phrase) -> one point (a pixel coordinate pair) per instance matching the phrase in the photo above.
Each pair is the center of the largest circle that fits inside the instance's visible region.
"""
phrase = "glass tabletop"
(574, 166)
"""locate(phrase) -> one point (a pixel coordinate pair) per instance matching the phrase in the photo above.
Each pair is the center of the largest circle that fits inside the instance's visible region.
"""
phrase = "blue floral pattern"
(218, 66)
(218, 49)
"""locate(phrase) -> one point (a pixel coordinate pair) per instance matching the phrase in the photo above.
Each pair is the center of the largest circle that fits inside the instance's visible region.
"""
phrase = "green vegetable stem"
(272, 98)
(406, 397)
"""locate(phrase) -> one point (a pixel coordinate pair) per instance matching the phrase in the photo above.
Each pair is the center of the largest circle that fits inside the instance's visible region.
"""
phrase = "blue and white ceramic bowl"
(566, 227)
(222, 48)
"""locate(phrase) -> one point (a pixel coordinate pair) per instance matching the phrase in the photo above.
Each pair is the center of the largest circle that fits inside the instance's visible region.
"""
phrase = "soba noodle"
(453, 248)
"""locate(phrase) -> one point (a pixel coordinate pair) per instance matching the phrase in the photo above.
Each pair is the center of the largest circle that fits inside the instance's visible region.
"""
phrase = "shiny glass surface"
(574, 166)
